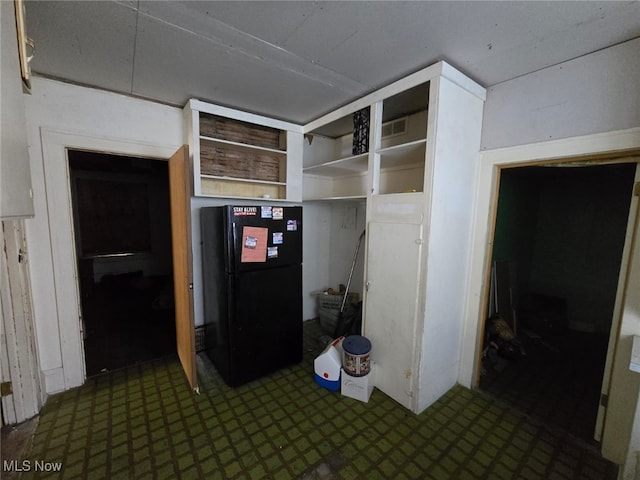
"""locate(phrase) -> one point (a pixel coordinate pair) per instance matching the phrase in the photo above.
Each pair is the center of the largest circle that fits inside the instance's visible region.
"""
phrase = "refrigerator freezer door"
(262, 237)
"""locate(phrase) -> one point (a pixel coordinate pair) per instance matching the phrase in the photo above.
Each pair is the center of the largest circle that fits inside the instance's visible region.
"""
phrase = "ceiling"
(297, 60)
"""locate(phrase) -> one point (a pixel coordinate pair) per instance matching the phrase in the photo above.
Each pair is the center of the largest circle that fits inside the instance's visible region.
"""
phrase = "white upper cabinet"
(393, 157)
(241, 155)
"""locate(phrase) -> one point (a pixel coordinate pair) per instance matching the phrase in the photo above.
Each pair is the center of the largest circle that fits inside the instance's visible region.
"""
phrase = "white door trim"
(622, 143)
(60, 220)
(609, 147)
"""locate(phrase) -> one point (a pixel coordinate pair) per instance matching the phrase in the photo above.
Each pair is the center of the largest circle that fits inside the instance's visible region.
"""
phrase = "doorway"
(122, 229)
(558, 242)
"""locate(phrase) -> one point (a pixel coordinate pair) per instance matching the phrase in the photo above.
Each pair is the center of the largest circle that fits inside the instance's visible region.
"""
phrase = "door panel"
(391, 302)
(180, 193)
(265, 322)
(618, 420)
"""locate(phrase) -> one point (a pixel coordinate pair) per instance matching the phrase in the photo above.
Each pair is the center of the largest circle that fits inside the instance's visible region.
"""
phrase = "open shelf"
(241, 188)
(343, 166)
(217, 127)
(241, 155)
(231, 159)
(319, 187)
(241, 145)
(412, 153)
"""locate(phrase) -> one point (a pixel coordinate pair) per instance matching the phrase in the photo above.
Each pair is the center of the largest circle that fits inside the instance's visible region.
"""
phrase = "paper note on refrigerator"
(254, 244)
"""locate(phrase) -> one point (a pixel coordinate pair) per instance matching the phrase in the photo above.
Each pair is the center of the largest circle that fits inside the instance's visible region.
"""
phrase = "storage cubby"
(331, 170)
(401, 150)
(237, 158)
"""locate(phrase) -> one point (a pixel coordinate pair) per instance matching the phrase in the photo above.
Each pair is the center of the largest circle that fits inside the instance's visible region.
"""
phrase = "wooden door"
(393, 273)
(180, 193)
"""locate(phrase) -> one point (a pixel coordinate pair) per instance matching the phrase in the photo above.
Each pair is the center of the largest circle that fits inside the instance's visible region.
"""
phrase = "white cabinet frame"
(445, 159)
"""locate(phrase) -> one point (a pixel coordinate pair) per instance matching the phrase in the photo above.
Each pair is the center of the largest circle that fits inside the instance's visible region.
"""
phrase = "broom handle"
(353, 264)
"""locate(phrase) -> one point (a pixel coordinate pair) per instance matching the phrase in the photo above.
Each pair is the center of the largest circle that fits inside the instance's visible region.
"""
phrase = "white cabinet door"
(393, 276)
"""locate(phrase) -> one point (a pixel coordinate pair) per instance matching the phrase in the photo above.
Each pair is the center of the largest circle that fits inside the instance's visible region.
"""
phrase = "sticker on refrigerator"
(277, 213)
(251, 242)
(272, 252)
(292, 225)
(266, 212)
(254, 244)
(277, 238)
(245, 211)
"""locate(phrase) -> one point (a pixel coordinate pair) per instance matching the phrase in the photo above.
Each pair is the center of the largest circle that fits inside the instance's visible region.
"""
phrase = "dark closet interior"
(122, 232)
(558, 243)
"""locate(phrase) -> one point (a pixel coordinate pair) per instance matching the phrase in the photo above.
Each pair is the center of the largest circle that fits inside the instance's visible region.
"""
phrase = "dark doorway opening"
(123, 245)
(557, 253)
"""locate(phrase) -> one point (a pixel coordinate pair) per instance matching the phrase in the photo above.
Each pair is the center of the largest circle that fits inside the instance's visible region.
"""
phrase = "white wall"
(316, 232)
(348, 220)
(90, 114)
(591, 94)
(120, 121)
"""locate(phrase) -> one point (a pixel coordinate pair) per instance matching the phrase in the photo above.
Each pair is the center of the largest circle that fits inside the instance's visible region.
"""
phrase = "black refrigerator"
(252, 279)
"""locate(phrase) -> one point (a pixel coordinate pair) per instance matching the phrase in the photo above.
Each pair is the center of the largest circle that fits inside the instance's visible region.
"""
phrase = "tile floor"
(557, 382)
(143, 422)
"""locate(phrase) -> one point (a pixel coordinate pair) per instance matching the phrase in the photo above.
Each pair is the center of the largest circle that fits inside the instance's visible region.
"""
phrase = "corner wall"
(595, 93)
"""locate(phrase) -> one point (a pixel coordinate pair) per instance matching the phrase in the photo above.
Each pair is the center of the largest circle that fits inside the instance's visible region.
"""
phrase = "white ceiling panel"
(296, 60)
(567, 30)
(259, 17)
(86, 42)
(195, 65)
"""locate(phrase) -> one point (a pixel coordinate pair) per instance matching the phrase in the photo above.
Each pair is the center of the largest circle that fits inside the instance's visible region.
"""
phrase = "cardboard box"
(359, 388)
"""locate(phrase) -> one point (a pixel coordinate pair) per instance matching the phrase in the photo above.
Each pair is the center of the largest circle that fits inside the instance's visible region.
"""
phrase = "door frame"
(609, 147)
(66, 311)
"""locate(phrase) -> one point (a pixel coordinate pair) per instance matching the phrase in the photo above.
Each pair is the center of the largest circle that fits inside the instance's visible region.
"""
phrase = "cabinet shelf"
(241, 180)
(332, 199)
(241, 145)
(241, 188)
(404, 155)
(241, 155)
(342, 166)
(402, 147)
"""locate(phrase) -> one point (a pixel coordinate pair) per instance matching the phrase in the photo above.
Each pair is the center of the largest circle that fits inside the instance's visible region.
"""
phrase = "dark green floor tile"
(144, 422)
